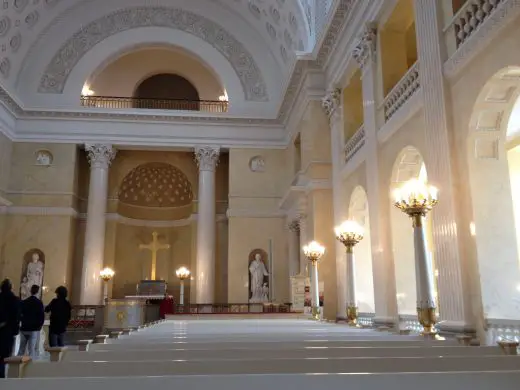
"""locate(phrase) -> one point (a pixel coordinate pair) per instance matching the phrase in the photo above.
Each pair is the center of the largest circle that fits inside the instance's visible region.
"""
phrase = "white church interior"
(248, 193)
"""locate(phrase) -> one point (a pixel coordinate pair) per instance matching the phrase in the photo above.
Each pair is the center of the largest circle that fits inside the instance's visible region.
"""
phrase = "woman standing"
(60, 310)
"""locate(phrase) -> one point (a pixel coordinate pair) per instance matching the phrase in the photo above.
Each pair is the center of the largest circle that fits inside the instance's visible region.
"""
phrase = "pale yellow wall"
(43, 202)
(315, 135)
(353, 105)
(33, 185)
(259, 194)
(5, 162)
(320, 227)
(132, 264)
(121, 77)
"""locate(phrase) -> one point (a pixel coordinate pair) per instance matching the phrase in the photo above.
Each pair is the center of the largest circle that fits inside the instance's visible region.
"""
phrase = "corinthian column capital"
(100, 155)
(365, 49)
(207, 157)
(331, 101)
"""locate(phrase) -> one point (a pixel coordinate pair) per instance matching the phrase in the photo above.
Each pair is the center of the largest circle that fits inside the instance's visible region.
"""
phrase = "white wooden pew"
(243, 353)
(396, 381)
(270, 366)
(267, 344)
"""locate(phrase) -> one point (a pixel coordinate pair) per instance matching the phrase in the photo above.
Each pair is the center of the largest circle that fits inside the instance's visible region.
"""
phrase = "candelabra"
(182, 273)
(416, 199)
(106, 274)
(314, 251)
(349, 233)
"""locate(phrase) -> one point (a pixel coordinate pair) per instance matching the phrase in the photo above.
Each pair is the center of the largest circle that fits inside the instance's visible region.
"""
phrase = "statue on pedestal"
(258, 278)
(32, 273)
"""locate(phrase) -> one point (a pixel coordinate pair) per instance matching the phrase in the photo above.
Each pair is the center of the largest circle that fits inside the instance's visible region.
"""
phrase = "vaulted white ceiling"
(42, 42)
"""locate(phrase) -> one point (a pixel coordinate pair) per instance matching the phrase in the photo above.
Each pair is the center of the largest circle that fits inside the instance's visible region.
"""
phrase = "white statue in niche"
(35, 270)
(257, 164)
(43, 158)
(258, 286)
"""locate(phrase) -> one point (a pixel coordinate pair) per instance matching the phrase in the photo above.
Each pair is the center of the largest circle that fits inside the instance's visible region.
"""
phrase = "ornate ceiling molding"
(336, 27)
(58, 70)
(293, 88)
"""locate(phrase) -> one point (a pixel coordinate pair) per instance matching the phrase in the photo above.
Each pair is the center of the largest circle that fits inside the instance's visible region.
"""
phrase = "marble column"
(453, 283)
(332, 106)
(294, 248)
(207, 159)
(378, 197)
(302, 222)
(100, 157)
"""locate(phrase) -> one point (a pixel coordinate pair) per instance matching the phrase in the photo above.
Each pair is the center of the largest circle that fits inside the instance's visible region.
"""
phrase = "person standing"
(9, 322)
(32, 322)
(60, 310)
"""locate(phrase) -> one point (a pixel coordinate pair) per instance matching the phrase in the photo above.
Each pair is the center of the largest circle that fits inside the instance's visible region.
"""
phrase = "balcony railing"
(112, 102)
(470, 17)
(354, 144)
(403, 91)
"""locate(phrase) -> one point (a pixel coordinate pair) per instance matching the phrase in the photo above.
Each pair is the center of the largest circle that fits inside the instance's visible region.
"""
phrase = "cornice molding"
(38, 211)
(246, 213)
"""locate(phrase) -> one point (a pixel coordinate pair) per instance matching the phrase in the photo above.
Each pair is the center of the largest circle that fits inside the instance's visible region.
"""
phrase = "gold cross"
(154, 247)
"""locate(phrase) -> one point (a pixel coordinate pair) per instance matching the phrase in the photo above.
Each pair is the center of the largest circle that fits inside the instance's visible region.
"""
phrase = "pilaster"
(332, 106)
(453, 285)
(379, 203)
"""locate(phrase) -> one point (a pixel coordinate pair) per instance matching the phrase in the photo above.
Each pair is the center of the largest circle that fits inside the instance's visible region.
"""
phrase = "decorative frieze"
(207, 157)
(331, 101)
(59, 68)
(365, 49)
(100, 155)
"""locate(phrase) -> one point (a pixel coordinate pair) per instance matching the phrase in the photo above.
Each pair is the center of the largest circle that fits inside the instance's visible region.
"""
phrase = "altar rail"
(232, 308)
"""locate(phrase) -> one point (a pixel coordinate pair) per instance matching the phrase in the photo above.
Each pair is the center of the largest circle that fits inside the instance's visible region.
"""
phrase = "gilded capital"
(365, 49)
(207, 157)
(331, 101)
(100, 155)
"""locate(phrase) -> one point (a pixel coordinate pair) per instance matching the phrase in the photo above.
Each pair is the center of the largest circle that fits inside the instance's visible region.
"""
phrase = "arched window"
(167, 91)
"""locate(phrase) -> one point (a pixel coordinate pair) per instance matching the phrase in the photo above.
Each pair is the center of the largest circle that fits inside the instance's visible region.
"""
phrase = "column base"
(316, 313)
(427, 318)
(385, 321)
(352, 315)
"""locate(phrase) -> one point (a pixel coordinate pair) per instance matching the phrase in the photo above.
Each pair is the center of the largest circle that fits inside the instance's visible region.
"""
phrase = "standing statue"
(35, 270)
(257, 286)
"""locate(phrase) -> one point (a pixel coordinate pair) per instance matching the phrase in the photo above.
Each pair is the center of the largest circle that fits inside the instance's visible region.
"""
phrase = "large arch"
(175, 60)
(358, 211)
(408, 165)
(494, 179)
(84, 39)
(263, 51)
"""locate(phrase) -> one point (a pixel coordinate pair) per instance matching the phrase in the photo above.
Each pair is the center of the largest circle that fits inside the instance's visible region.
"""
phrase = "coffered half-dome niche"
(155, 191)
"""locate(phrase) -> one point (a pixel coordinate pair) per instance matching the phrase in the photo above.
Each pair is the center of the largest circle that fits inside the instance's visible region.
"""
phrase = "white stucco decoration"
(43, 158)
(257, 164)
(57, 71)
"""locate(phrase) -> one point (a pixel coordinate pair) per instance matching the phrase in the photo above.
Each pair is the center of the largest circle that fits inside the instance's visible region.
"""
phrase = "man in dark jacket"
(60, 310)
(9, 322)
(32, 322)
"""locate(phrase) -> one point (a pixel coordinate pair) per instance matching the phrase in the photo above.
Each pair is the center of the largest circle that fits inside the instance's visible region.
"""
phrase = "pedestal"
(298, 283)
(124, 313)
